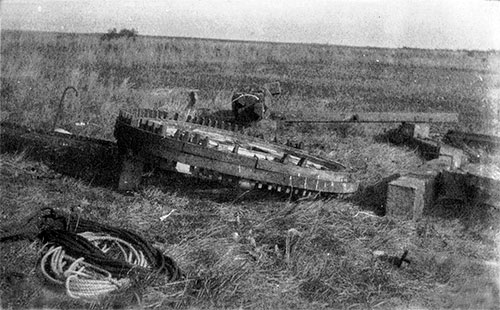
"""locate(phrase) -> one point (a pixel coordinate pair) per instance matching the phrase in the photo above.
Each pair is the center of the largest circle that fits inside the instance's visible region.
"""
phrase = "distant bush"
(124, 33)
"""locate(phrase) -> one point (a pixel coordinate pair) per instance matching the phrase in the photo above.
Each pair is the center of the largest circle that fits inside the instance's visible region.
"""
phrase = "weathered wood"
(411, 194)
(280, 178)
(489, 141)
(410, 130)
(456, 157)
(92, 160)
(383, 117)
(226, 153)
(251, 142)
(473, 183)
(412, 137)
(408, 196)
(276, 166)
(452, 188)
(131, 175)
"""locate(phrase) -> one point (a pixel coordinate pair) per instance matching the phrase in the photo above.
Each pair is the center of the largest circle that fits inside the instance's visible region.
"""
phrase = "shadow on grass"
(90, 160)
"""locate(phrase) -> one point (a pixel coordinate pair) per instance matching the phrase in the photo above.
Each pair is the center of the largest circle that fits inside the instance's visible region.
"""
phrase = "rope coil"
(81, 280)
(89, 259)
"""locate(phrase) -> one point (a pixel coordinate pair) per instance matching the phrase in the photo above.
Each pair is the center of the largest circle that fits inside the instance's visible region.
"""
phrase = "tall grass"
(36, 67)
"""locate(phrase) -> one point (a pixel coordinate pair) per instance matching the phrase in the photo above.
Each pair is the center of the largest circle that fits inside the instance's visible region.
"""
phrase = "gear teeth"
(284, 158)
(299, 145)
(177, 134)
(302, 162)
(196, 139)
(204, 142)
(147, 122)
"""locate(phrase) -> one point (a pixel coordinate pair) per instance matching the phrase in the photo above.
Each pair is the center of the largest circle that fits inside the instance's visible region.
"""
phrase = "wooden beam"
(383, 117)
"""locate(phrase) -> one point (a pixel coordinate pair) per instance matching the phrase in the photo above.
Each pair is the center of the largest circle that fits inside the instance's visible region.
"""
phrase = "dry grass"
(36, 67)
(262, 253)
(250, 250)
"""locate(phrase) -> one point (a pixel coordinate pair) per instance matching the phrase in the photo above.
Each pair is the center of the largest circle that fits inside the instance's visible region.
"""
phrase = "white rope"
(81, 279)
(91, 289)
(86, 281)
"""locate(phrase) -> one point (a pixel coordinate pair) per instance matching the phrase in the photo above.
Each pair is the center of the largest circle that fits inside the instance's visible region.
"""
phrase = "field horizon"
(454, 249)
(491, 50)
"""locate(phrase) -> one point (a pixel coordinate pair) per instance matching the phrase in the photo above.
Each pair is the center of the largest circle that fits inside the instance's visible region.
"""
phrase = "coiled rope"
(82, 280)
(91, 259)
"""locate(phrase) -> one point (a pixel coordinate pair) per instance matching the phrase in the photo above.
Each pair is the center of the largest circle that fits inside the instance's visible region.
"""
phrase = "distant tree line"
(124, 33)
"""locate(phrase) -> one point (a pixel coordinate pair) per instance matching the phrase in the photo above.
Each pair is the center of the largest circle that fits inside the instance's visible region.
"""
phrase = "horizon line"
(260, 41)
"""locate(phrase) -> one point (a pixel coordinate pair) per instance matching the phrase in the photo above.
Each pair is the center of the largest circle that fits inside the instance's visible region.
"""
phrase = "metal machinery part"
(213, 149)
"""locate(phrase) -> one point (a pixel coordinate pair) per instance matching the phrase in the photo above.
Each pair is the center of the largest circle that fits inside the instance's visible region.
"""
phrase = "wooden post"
(408, 196)
(131, 175)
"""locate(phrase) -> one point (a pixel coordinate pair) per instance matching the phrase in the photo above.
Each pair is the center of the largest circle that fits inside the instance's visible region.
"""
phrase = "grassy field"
(232, 244)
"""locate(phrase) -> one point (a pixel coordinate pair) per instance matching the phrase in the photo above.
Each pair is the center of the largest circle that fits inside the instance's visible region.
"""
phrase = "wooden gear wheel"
(213, 149)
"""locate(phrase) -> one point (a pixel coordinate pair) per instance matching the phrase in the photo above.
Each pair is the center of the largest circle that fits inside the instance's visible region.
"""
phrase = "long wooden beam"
(382, 117)
(480, 139)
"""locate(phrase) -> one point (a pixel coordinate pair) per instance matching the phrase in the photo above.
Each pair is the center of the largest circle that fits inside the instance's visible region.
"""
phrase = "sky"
(433, 24)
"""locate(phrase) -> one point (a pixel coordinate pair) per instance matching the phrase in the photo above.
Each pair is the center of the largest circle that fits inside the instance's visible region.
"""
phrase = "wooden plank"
(231, 158)
(298, 170)
(490, 141)
(277, 150)
(246, 172)
(137, 138)
(383, 117)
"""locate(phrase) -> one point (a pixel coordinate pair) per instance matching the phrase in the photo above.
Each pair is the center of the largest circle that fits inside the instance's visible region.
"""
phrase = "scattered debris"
(62, 131)
(393, 260)
(453, 174)
(164, 217)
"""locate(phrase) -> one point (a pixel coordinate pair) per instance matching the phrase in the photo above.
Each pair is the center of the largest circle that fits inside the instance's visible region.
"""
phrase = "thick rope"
(107, 243)
(91, 259)
(82, 280)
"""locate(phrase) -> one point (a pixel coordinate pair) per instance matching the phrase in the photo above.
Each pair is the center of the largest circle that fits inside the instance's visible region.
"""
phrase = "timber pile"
(449, 175)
